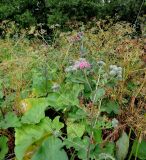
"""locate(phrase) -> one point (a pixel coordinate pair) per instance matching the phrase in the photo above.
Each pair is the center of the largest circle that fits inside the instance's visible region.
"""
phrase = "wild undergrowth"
(81, 97)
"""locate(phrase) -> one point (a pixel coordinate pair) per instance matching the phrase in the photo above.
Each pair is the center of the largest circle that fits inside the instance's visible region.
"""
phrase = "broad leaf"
(35, 108)
(105, 156)
(97, 135)
(122, 146)
(68, 96)
(110, 106)
(56, 124)
(28, 134)
(109, 148)
(139, 149)
(3, 147)
(40, 86)
(99, 94)
(80, 145)
(75, 129)
(52, 99)
(10, 120)
(51, 149)
(77, 114)
(76, 78)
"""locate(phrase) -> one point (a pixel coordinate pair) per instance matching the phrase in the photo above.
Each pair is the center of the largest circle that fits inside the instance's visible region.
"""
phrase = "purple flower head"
(81, 64)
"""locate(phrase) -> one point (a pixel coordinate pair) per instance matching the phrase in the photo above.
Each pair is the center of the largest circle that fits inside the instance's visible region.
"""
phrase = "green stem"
(137, 148)
(97, 84)
(87, 81)
(131, 150)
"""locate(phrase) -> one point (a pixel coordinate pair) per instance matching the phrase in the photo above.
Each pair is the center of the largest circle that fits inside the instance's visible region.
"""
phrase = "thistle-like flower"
(101, 63)
(115, 71)
(81, 64)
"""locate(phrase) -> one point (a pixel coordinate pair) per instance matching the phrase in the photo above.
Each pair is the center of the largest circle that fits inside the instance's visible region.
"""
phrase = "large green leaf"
(35, 113)
(122, 146)
(51, 149)
(3, 147)
(76, 78)
(56, 124)
(68, 96)
(77, 114)
(26, 135)
(52, 99)
(139, 149)
(10, 120)
(40, 85)
(100, 92)
(75, 129)
(110, 106)
(80, 145)
(109, 148)
(97, 133)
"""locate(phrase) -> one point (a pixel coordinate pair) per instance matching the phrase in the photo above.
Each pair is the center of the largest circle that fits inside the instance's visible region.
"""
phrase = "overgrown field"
(81, 97)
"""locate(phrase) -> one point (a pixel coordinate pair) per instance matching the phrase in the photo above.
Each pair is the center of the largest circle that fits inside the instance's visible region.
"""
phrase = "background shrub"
(48, 12)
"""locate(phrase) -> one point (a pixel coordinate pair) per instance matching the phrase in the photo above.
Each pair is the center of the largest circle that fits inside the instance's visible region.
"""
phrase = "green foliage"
(97, 133)
(75, 129)
(27, 135)
(80, 145)
(122, 146)
(36, 108)
(51, 149)
(108, 149)
(100, 92)
(10, 120)
(28, 13)
(3, 147)
(139, 149)
(71, 98)
(111, 106)
(40, 86)
(57, 17)
(66, 97)
(25, 19)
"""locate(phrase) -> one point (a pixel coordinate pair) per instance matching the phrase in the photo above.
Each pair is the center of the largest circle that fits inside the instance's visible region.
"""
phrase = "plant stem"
(137, 147)
(88, 150)
(97, 84)
(93, 124)
(87, 81)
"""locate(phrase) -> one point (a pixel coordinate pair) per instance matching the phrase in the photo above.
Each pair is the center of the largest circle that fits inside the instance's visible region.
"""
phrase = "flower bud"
(112, 67)
(101, 63)
(112, 73)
